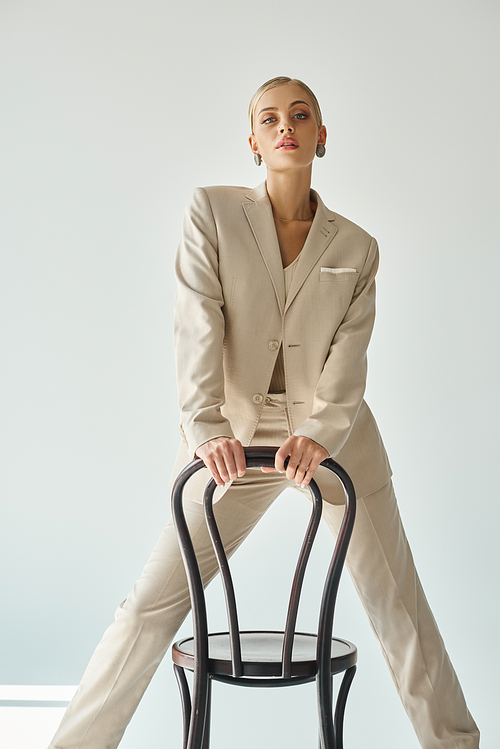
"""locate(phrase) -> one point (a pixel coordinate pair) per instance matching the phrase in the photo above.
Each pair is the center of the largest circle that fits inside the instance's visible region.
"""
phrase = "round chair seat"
(261, 653)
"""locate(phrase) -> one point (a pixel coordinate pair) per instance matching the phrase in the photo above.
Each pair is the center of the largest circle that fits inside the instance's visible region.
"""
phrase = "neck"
(289, 193)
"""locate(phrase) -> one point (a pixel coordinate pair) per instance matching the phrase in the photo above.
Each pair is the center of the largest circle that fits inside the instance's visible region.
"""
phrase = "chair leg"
(338, 721)
(325, 700)
(185, 702)
(322, 711)
(199, 710)
(206, 732)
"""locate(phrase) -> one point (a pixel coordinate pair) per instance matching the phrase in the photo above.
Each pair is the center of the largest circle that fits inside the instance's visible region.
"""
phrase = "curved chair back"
(257, 457)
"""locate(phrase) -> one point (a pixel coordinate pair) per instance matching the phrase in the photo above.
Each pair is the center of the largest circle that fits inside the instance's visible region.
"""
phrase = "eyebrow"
(274, 109)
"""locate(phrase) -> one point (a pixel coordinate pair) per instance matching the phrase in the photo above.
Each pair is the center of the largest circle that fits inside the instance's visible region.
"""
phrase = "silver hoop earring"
(257, 159)
(320, 151)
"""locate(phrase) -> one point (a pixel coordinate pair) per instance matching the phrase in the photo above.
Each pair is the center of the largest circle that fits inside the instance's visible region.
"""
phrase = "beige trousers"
(379, 562)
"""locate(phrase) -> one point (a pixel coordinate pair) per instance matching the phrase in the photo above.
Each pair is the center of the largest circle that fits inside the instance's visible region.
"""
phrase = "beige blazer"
(231, 319)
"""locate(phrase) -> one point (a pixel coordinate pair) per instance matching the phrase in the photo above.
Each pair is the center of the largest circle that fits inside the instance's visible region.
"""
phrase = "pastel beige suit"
(231, 318)
(229, 269)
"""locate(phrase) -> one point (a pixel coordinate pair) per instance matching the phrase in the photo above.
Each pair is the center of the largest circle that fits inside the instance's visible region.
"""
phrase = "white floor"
(29, 715)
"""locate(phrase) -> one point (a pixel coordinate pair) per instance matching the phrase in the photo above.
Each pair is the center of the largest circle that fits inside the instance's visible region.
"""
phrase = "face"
(286, 132)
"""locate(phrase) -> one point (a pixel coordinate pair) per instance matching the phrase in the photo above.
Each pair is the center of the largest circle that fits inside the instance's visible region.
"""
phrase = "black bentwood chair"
(263, 658)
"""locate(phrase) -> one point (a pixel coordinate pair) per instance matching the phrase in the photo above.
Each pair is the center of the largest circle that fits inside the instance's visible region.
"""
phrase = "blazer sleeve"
(341, 386)
(199, 327)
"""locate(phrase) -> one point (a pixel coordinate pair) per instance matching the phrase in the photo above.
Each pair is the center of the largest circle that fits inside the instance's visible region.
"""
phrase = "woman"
(273, 316)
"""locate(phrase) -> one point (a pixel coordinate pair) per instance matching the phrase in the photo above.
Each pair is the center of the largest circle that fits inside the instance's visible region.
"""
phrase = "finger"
(281, 455)
(212, 467)
(267, 469)
(301, 473)
(226, 463)
(311, 468)
(232, 462)
(293, 464)
(304, 468)
(240, 460)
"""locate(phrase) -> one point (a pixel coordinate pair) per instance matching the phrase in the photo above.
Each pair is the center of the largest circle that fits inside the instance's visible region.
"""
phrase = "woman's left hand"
(305, 457)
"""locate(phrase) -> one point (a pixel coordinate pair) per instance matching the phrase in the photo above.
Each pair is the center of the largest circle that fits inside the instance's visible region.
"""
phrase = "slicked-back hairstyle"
(280, 81)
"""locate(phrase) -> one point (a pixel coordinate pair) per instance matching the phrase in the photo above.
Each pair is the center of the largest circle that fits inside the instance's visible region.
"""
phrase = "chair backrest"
(257, 457)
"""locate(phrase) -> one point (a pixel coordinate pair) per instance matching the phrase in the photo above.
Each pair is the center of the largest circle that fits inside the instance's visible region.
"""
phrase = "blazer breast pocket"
(337, 275)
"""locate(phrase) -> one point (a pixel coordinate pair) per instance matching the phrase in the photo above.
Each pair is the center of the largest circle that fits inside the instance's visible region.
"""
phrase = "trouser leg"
(146, 623)
(381, 566)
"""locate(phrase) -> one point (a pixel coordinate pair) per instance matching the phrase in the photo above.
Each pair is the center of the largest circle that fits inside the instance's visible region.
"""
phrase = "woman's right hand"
(224, 457)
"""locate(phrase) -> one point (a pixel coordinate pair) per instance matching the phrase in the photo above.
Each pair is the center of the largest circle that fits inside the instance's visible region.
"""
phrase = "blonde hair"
(280, 81)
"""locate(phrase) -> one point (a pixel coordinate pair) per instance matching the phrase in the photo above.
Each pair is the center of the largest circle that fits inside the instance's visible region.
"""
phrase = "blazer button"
(258, 398)
(273, 345)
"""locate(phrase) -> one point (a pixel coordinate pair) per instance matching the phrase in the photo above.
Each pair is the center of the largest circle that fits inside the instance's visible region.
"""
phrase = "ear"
(322, 135)
(253, 143)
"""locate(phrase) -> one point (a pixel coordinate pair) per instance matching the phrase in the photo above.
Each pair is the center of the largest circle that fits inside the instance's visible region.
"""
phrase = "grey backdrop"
(112, 111)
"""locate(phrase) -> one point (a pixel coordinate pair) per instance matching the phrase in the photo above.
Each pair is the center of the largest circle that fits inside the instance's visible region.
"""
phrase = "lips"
(287, 143)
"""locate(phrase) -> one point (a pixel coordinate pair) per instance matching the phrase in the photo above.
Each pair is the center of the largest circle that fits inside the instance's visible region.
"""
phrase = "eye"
(301, 116)
(268, 119)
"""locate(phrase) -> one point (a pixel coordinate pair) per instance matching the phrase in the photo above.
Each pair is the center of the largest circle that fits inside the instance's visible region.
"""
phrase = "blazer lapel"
(320, 235)
(260, 217)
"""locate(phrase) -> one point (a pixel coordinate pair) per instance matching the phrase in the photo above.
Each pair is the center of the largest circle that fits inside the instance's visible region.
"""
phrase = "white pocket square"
(338, 270)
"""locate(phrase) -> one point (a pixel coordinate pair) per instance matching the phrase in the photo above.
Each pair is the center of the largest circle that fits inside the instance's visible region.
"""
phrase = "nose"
(286, 127)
